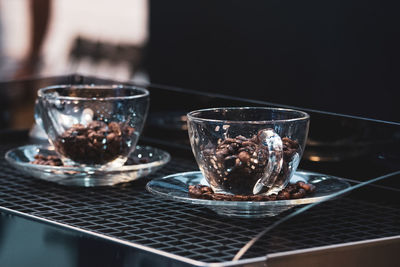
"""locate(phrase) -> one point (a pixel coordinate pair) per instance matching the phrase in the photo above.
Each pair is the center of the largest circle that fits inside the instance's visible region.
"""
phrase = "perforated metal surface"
(129, 213)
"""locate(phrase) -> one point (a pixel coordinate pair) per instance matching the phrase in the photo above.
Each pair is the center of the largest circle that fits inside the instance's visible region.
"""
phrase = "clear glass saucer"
(175, 187)
(22, 157)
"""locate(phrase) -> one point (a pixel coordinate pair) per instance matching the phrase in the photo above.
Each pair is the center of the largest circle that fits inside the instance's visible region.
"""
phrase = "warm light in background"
(314, 158)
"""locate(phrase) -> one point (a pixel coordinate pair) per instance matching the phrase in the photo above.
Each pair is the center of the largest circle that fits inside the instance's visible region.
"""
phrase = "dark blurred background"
(337, 56)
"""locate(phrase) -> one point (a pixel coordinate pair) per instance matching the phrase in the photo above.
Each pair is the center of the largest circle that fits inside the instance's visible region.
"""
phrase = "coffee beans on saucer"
(291, 191)
(53, 160)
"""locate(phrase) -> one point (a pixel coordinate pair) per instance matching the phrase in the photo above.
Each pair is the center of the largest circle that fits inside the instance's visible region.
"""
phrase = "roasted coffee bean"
(115, 127)
(244, 157)
(127, 130)
(206, 189)
(249, 143)
(110, 137)
(299, 194)
(258, 198)
(291, 191)
(195, 190)
(218, 197)
(303, 185)
(222, 153)
(307, 187)
(283, 195)
(240, 198)
(290, 188)
(78, 128)
(229, 140)
(40, 156)
(240, 138)
(290, 147)
(231, 149)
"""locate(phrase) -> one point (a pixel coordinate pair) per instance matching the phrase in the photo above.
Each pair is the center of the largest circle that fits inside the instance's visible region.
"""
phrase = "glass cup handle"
(37, 114)
(273, 142)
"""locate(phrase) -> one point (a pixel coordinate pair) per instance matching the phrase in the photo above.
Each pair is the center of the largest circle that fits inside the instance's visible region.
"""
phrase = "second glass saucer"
(22, 157)
(175, 187)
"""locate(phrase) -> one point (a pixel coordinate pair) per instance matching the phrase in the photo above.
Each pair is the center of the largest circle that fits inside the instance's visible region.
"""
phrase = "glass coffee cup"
(92, 125)
(248, 150)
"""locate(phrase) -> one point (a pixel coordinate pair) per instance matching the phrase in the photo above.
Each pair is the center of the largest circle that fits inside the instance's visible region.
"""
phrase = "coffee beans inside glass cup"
(248, 150)
(92, 125)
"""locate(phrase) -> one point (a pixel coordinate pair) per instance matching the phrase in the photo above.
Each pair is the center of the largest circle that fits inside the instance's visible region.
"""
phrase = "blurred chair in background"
(99, 38)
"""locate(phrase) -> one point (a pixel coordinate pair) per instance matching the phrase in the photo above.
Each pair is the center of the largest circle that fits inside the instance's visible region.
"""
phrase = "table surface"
(115, 226)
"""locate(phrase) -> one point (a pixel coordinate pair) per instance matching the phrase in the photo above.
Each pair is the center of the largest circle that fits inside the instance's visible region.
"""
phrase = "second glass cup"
(92, 125)
(248, 150)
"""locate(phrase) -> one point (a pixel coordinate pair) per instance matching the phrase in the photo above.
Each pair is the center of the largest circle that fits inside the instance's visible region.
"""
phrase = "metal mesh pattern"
(129, 213)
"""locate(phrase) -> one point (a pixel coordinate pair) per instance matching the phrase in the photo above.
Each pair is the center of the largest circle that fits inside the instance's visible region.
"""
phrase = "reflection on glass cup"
(248, 150)
(92, 125)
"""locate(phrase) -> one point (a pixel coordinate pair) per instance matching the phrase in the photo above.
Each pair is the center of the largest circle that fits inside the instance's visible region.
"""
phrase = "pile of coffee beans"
(291, 191)
(53, 160)
(236, 164)
(95, 143)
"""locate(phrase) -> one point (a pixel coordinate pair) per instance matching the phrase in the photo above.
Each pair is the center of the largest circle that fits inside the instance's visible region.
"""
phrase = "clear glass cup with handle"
(248, 150)
(92, 125)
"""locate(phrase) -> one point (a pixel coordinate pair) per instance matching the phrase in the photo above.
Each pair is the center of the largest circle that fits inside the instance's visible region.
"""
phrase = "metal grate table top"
(127, 212)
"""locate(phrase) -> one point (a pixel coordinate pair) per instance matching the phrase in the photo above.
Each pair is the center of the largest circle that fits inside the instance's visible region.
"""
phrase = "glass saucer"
(175, 187)
(21, 157)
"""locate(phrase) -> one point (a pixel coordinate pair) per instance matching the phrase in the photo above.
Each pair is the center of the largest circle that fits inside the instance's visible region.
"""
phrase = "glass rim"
(143, 91)
(301, 115)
